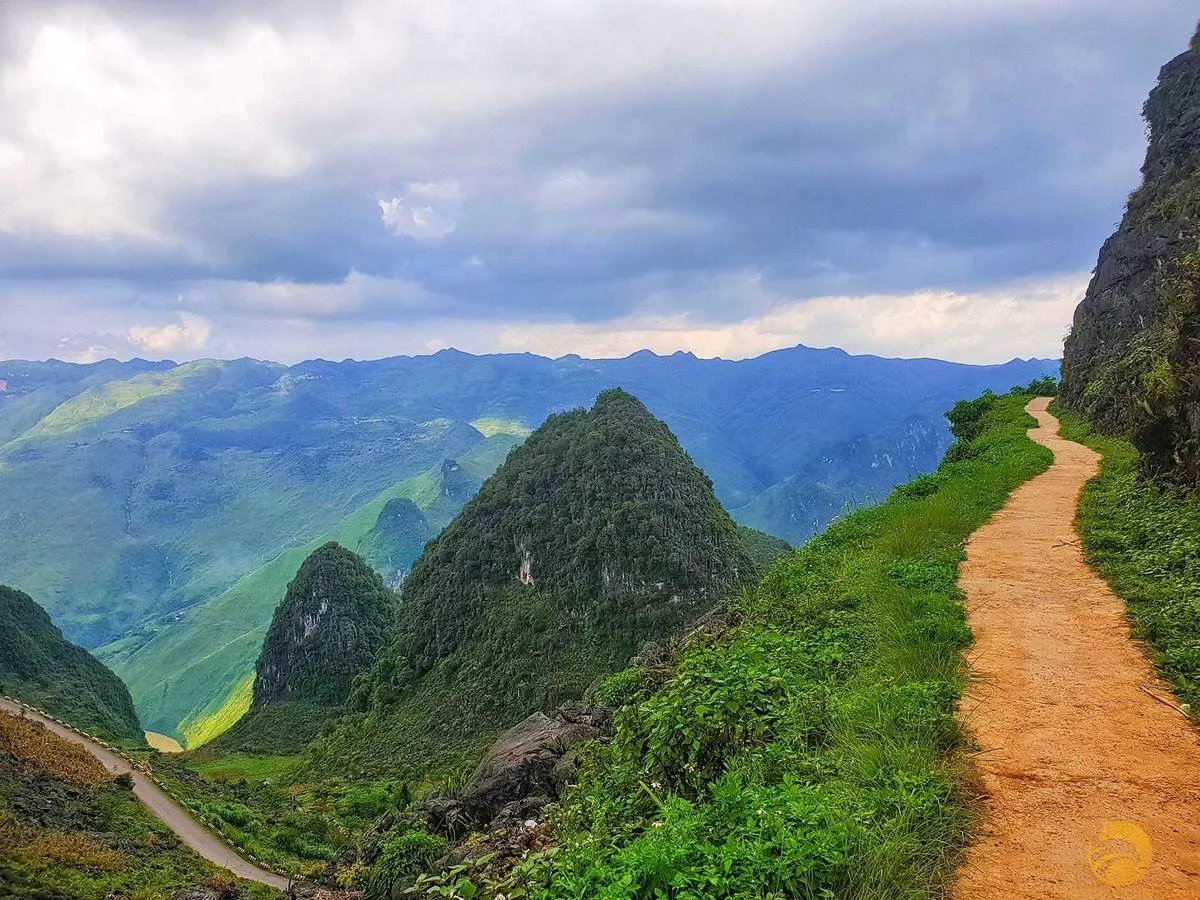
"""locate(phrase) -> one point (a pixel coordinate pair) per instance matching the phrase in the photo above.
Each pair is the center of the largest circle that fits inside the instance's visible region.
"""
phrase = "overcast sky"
(287, 179)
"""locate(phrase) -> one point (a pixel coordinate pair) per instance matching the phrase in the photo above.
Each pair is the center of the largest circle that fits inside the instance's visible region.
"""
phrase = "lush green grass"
(231, 767)
(261, 805)
(207, 724)
(812, 749)
(1145, 540)
(99, 402)
(490, 426)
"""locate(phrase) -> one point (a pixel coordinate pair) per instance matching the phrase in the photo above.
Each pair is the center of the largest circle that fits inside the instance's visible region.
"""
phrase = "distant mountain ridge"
(39, 666)
(158, 511)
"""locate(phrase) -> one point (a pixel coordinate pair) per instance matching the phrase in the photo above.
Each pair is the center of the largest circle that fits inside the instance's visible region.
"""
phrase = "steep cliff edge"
(1132, 360)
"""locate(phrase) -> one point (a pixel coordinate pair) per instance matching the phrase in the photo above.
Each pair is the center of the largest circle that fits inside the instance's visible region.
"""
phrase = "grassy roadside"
(257, 803)
(68, 828)
(811, 749)
(1145, 540)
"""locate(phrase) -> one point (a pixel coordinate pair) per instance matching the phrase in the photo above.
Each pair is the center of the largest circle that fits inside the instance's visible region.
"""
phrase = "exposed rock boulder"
(526, 768)
(525, 762)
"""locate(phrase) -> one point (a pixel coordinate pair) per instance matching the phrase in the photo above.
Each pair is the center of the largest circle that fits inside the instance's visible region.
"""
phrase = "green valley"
(177, 502)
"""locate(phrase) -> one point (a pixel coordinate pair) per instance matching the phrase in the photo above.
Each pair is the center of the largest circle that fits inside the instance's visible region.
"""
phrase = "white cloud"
(107, 113)
(427, 211)
(189, 335)
(1016, 320)
(294, 322)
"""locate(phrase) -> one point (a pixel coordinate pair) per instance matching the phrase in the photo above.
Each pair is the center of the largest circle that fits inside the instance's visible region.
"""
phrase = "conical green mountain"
(596, 536)
(334, 618)
(396, 540)
(39, 666)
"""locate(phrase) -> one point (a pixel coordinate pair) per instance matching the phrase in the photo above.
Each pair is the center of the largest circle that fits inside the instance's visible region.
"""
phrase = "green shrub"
(1046, 386)
(811, 751)
(402, 858)
(619, 689)
(966, 417)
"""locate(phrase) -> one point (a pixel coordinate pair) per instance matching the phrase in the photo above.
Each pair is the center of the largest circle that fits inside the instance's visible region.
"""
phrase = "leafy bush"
(1047, 386)
(236, 814)
(967, 416)
(402, 858)
(811, 750)
(619, 689)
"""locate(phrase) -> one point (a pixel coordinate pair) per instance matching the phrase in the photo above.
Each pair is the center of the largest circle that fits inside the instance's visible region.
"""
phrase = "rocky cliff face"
(1132, 361)
(335, 616)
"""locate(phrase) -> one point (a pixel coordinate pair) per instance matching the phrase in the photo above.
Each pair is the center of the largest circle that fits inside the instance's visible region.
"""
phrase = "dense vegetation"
(396, 540)
(178, 501)
(810, 748)
(1144, 538)
(762, 549)
(39, 666)
(328, 628)
(1132, 360)
(270, 808)
(596, 536)
(69, 829)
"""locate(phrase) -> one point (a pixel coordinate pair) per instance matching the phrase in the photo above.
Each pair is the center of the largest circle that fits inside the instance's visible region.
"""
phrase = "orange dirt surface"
(1092, 786)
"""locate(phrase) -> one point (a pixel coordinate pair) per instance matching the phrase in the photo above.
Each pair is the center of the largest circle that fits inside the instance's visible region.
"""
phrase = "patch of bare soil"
(1092, 784)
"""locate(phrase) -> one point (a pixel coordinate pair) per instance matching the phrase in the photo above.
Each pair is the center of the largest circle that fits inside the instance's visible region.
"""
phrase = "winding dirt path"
(161, 806)
(1093, 786)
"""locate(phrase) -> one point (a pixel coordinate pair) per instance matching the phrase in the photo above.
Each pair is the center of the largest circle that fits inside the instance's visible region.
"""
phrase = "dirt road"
(1093, 787)
(162, 807)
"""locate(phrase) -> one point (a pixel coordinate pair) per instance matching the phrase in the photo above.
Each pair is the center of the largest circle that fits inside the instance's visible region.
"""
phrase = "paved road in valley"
(161, 806)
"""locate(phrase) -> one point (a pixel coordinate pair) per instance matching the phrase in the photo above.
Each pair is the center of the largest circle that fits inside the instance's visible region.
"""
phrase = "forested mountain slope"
(597, 535)
(327, 629)
(175, 503)
(40, 667)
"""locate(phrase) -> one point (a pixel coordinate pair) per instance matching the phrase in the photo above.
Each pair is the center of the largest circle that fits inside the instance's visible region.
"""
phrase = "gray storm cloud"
(371, 177)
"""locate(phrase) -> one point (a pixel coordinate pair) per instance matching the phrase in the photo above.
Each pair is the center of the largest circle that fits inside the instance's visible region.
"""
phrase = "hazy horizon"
(640, 351)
